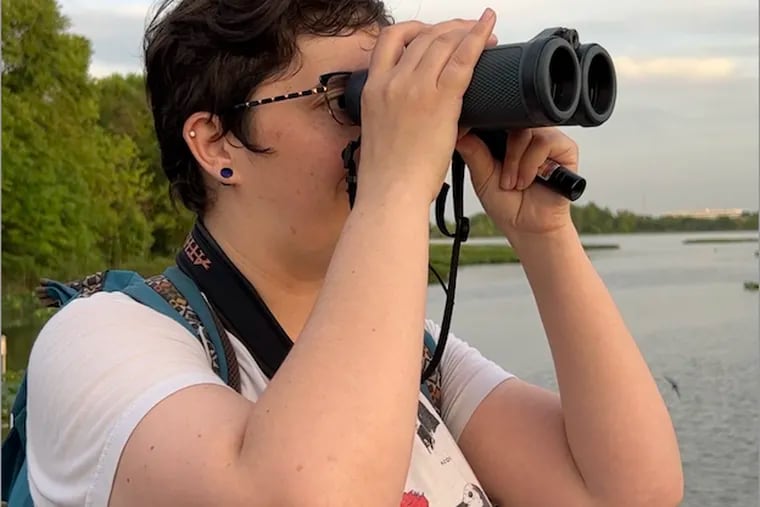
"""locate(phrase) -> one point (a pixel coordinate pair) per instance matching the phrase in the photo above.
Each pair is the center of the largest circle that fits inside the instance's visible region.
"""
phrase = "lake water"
(694, 322)
(692, 318)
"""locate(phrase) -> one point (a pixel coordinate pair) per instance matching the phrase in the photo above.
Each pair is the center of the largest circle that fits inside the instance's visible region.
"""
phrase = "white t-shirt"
(103, 362)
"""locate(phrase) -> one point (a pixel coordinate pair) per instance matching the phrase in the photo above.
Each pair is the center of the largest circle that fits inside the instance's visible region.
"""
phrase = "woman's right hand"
(412, 102)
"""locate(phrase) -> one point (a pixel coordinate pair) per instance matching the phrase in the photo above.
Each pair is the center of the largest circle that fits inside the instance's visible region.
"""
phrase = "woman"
(338, 423)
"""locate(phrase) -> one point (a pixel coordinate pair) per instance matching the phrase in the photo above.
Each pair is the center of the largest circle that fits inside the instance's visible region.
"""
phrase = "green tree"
(124, 111)
(72, 193)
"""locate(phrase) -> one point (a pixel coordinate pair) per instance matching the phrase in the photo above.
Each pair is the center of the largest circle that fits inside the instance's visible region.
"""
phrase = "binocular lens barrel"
(550, 80)
(522, 86)
(598, 86)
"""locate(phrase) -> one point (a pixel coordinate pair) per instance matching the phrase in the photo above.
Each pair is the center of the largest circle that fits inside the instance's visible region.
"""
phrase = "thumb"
(476, 155)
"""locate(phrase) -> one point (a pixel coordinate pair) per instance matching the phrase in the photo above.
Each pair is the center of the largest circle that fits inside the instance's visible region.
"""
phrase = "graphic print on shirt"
(428, 423)
(414, 499)
(473, 496)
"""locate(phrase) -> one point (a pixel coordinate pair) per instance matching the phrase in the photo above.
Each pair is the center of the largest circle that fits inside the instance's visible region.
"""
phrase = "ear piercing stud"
(226, 173)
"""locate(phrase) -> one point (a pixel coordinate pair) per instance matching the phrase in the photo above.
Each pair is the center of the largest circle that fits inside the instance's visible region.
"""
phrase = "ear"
(202, 133)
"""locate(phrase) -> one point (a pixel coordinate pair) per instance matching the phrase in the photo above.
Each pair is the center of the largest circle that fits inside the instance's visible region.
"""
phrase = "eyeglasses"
(332, 85)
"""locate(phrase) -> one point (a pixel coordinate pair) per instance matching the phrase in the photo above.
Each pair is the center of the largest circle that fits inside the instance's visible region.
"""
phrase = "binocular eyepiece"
(549, 80)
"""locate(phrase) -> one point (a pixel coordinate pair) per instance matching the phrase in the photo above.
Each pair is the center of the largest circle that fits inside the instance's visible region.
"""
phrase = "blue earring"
(226, 172)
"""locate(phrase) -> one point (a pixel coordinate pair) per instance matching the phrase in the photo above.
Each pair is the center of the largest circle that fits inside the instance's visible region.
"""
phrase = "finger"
(517, 142)
(437, 35)
(457, 72)
(391, 43)
(548, 145)
(420, 45)
(438, 54)
(539, 150)
(476, 155)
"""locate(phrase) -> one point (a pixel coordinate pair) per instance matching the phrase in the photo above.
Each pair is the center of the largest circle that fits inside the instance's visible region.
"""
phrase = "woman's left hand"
(507, 192)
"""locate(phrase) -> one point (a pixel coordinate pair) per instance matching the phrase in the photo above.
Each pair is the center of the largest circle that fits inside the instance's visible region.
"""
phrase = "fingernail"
(507, 183)
(521, 184)
(487, 14)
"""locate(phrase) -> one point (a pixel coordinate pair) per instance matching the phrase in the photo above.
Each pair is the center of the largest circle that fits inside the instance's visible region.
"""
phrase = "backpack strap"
(431, 387)
(198, 316)
(172, 294)
(53, 294)
(14, 453)
(187, 307)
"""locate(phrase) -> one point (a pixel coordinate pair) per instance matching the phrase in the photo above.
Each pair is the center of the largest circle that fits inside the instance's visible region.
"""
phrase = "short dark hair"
(207, 55)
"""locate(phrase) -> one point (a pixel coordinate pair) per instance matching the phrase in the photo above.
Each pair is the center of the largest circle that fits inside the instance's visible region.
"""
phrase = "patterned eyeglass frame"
(322, 88)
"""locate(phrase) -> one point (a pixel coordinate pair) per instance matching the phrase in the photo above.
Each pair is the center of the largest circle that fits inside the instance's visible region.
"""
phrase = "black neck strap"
(459, 235)
(235, 300)
(244, 313)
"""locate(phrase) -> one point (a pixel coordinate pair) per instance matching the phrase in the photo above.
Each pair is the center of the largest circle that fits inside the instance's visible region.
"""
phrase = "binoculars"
(549, 80)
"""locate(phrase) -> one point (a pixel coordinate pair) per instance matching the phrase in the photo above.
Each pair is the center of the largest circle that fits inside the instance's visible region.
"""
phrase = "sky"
(684, 133)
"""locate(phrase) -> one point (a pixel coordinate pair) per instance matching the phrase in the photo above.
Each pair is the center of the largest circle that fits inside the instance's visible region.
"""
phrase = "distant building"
(707, 213)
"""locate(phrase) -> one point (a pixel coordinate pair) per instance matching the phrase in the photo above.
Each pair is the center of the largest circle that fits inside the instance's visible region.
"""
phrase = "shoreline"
(478, 254)
(716, 241)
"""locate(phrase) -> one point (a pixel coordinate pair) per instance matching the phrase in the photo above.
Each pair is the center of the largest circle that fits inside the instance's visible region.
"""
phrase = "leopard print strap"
(86, 286)
(93, 283)
(169, 292)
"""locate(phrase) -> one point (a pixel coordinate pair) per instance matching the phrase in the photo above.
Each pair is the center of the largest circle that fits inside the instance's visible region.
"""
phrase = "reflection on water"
(694, 322)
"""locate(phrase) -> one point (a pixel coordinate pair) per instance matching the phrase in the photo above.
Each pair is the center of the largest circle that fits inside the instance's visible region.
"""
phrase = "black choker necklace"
(238, 304)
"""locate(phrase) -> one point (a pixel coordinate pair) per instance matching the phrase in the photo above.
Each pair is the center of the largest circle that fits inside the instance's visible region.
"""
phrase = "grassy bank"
(709, 241)
(470, 254)
(440, 257)
(602, 246)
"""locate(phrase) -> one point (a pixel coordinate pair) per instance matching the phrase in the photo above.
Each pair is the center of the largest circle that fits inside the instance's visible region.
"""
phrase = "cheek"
(317, 157)
(307, 163)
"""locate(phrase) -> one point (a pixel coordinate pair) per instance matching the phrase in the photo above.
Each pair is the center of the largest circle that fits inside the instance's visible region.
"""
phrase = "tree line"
(593, 219)
(82, 184)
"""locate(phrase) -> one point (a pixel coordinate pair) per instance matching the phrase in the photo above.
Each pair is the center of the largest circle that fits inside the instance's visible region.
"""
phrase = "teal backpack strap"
(16, 492)
(172, 294)
(53, 294)
(15, 486)
(196, 308)
(177, 297)
(161, 294)
(431, 387)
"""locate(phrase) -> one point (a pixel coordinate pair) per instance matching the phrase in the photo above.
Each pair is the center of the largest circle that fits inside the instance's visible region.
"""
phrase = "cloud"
(100, 69)
(684, 132)
(116, 33)
(642, 35)
(679, 67)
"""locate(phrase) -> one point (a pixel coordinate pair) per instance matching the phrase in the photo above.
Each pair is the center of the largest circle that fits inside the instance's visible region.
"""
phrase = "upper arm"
(115, 385)
(515, 442)
(185, 451)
